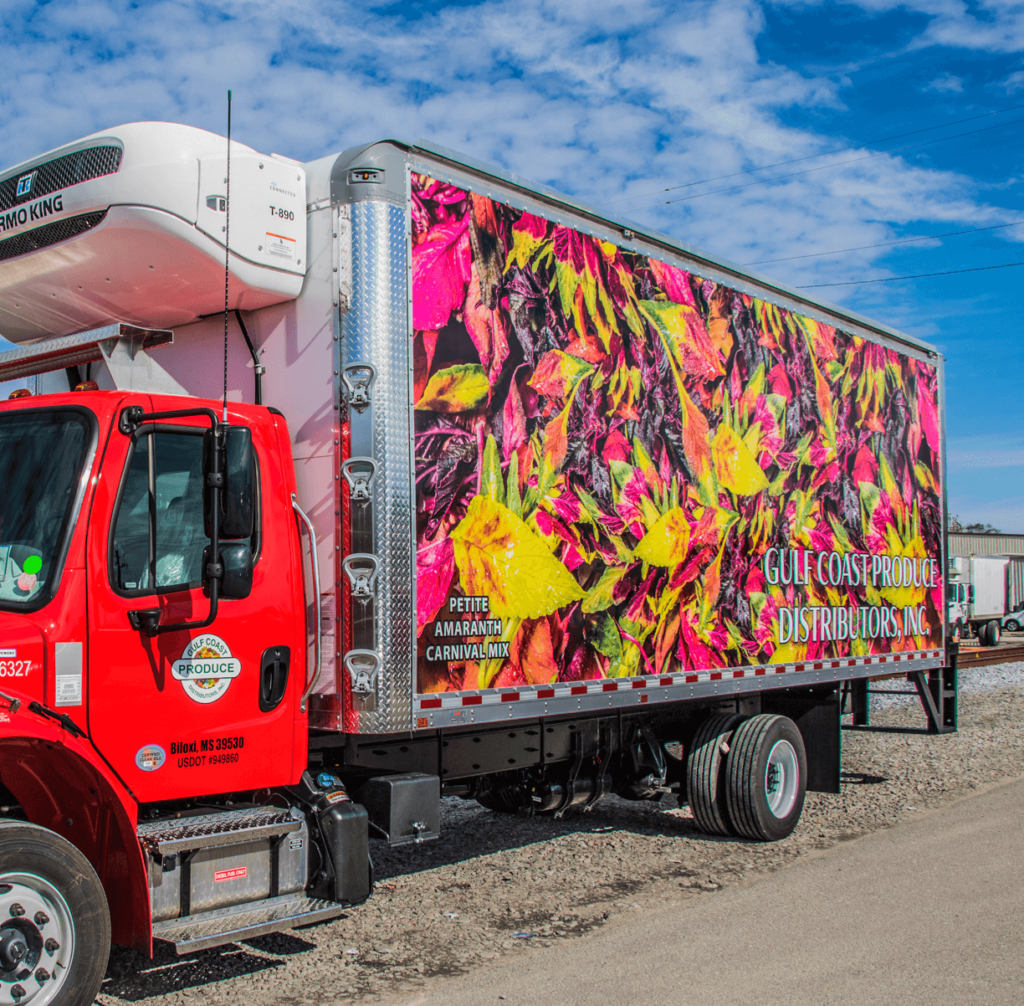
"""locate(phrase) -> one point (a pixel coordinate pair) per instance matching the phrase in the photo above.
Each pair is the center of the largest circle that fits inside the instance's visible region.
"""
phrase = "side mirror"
(238, 487)
(970, 593)
(236, 558)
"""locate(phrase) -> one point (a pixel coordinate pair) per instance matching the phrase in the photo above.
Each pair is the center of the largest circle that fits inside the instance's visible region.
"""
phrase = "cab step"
(204, 831)
(242, 922)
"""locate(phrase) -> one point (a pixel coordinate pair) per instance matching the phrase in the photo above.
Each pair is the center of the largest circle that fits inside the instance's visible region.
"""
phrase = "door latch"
(273, 676)
(363, 667)
(357, 379)
(361, 570)
(359, 473)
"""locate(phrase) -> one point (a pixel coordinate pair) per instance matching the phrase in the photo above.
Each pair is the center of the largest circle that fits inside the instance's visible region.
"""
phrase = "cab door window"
(158, 538)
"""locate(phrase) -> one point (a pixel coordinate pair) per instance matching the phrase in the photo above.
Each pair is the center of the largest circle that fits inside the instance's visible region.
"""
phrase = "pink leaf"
(440, 272)
(487, 330)
(435, 567)
(674, 282)
(515, 420)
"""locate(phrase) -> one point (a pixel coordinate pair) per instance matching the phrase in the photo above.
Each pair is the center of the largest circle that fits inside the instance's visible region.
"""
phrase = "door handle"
(273, 676)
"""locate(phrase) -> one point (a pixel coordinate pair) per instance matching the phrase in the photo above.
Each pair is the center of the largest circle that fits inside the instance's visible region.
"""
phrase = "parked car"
(1013, 621)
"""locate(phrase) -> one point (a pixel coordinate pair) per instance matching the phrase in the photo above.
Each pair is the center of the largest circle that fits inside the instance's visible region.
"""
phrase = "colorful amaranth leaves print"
(613, 455)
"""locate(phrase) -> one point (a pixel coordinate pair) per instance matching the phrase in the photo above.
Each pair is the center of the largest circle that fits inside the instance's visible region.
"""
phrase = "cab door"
(196, 711)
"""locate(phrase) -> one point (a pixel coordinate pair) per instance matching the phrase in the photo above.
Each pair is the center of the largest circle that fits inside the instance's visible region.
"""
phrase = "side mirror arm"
(147, 620)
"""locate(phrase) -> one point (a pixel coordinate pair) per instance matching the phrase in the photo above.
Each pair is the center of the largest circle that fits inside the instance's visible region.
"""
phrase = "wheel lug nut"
(42, 919)
(42, 975)
(51, 945)
(18, 992)
(17, 911)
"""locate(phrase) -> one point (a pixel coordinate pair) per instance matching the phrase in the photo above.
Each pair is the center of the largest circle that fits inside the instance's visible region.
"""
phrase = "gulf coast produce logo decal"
(624, 468)
(206, 668)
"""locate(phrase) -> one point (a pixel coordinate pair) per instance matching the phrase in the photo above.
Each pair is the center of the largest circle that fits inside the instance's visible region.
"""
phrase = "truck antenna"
(227, 258)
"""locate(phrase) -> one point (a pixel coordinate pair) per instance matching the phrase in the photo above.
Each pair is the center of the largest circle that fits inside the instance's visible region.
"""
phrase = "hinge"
(359, 473)
(361, 570)
(363, 667)
(357, 379)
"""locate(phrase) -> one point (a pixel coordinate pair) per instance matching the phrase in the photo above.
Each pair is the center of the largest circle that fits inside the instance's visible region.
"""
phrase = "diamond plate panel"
(213, 929)
(375, 330)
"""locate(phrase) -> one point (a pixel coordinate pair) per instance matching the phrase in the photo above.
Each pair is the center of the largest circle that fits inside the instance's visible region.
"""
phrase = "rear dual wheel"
(989, 633)
(747, 777)
(705, 771)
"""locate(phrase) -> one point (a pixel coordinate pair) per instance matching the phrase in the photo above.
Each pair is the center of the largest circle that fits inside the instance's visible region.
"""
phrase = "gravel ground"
(495, 885)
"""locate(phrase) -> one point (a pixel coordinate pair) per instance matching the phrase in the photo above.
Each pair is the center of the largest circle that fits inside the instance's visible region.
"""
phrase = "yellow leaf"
(499, 557)
(667, 543)
(524, 244)
(736, 467)
(789, 653)
(461, 388)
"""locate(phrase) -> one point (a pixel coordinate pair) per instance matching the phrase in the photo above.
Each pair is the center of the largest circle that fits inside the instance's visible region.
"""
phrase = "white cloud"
(965, 454)
(1015, 82)
(605, 100)
(945, 82)
(983, 25)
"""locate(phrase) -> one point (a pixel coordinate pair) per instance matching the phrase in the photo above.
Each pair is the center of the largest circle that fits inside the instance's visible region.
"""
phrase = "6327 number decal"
(15, 668)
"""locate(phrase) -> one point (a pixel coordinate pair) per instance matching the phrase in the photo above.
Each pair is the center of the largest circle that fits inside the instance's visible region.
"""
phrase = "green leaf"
(512, 498)
(599, 596)
(606, 638)
(491, 483)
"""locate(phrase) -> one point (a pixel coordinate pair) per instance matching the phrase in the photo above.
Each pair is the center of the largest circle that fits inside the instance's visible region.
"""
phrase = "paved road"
(931, 911)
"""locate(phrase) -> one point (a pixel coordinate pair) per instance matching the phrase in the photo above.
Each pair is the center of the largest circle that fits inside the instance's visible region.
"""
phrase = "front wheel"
(957, 635)
(767, 778)
(54, 921)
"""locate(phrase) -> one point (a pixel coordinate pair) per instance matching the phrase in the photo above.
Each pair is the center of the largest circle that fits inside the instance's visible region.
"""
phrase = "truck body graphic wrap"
(624, 469)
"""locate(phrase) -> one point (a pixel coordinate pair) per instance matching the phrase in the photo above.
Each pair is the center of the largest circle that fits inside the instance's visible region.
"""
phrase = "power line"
(822, 167)
(827, 153)
(886, 244)
(920, 275)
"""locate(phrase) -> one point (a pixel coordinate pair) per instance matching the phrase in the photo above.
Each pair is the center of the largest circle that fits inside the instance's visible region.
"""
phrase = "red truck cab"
(116, 697)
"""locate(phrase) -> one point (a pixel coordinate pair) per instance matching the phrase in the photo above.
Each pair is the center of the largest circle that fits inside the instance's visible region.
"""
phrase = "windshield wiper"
(62, 718)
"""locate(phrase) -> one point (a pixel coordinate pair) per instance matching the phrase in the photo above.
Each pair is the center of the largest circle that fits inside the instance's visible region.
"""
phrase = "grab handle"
(312, 679)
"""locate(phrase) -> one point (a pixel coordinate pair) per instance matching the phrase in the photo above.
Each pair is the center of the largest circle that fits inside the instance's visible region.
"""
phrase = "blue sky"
(887, 104)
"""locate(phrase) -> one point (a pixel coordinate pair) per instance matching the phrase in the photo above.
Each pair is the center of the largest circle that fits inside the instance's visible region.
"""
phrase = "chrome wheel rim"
(37, 940)
(781, 779)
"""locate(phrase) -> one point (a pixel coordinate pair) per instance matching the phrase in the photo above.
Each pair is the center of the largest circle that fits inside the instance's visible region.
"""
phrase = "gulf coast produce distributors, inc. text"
(825, 623)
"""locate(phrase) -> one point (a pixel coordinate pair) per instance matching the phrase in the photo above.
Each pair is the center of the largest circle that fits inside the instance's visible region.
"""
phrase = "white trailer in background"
(978, 595)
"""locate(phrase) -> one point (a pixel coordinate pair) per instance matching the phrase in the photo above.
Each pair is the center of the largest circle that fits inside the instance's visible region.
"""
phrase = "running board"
(242, 922)
(205, 831)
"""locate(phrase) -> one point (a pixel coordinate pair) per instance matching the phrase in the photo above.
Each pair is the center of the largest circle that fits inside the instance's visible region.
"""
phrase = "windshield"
(41, 459)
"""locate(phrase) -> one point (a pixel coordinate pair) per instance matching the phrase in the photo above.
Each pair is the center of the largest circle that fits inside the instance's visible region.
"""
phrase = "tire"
(63, 902)
(995, 632)
(705, 773)
(957, 634)
(767, 778)
(981, 631)
(1012, 625)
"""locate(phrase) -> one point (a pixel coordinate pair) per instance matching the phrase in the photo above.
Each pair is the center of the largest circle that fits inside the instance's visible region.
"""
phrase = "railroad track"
(983, 656)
